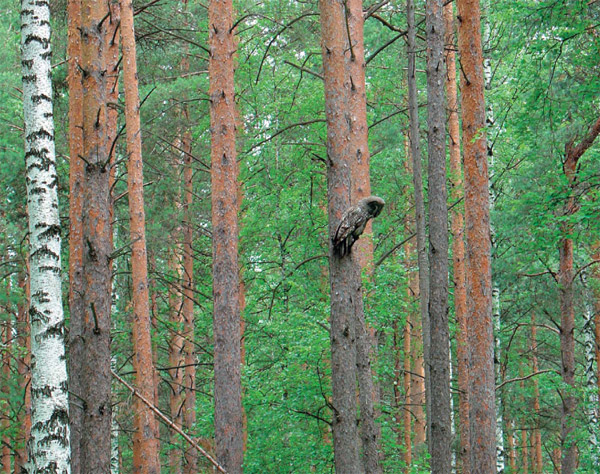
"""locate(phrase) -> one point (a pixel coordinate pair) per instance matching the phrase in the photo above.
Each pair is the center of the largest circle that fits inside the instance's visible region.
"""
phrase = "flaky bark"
(92, 335)
(48, 446)
(422, 256)
(363, 250)
(23, 369)
(567, 322)
(225, 206)
(6, 357)
(76, 169)
(458, 245)
(482, 417)
(343, 272)
(145, 439)
(189, 407)
(441, 431)
(537, 433)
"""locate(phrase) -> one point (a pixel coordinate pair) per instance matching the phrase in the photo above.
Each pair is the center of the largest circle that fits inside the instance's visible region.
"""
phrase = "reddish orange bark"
(565, 281)
(176, 354)
(76, 177)
(407, 391)
(458, 245)
(482, 412)
(358, 151)
(225, 207)
(189, 409)
(23, 364)
(145, 440)
(6, 357)
(537, 434)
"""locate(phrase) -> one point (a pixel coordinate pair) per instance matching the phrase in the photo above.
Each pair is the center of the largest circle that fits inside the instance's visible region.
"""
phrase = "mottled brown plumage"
(353, 223)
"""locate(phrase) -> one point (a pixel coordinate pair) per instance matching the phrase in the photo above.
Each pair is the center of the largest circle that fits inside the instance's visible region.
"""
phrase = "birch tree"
(49, 442)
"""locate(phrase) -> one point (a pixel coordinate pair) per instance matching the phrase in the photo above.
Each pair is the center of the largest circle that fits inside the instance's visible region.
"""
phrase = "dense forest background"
(543, 94)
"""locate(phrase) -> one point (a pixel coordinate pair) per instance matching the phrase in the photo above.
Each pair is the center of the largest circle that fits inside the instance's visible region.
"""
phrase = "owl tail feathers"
(343, 247)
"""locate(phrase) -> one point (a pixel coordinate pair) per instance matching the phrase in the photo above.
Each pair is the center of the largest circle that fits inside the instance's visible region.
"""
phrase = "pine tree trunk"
(343, 272)
(537, 434)
(93, 333)
(76, 177)
(49, 442)
(567, 350)
(407, 395)
(422, 256)
(6, 357)
(363, 249)
(482, 415)
(145, 439)
(458, 245)
(189, 408)
(23, 369)
(176, 355)
(225, 207)
(441, 432)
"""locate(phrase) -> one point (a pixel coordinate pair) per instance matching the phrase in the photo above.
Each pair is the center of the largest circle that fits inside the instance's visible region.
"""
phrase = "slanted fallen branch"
(170, 424)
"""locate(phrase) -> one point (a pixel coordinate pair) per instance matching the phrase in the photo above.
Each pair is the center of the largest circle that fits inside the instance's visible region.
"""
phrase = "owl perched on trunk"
(353, 223)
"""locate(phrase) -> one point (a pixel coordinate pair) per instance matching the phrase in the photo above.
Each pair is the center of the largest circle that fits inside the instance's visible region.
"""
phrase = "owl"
(353, 223)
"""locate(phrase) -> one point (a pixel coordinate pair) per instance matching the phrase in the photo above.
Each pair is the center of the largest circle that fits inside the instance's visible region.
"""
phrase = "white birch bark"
(490, 122)
(591, 383)
(48, 447)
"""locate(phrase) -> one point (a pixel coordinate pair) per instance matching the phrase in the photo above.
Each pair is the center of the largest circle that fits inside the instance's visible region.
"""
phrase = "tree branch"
(170, 424)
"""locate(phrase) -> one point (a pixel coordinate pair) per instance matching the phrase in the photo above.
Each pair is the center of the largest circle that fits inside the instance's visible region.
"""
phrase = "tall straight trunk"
(416, 373)
(49, 442)
(565, 281)
(176, 354)
(145, 439)
(76, 177)
(441, 431)
(567, 350)
(496, 314)
(361, 187)
(225, 208)
(458, 244)
(422, 257)
(407, 395)
(344, 273)
(23, 369)
(537, 433)
(510, 441)
(92, 334)
(189, 408)
(524, 469)
(482, 416)
(6, 357)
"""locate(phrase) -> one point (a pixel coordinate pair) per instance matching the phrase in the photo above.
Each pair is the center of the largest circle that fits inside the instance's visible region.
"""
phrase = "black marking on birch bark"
(44, 252)
(36, 315)
(28, 63)
(56, 330)
(52, 231)
(37, 190)
(29, 78)
(47, 55)
(41, 296)
(51, 269)
(31, 38)
(41, 133)
(44, 391)
(37, 99)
